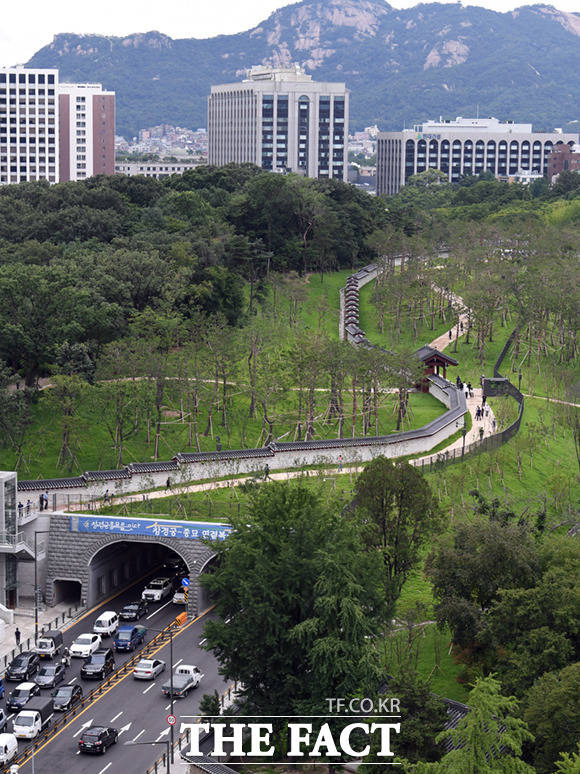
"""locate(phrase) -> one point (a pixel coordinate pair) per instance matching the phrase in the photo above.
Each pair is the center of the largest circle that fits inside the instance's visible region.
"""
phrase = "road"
(137, 709)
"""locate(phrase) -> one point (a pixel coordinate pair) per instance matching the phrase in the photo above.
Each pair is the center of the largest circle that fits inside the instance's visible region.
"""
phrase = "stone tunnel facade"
(73, 558)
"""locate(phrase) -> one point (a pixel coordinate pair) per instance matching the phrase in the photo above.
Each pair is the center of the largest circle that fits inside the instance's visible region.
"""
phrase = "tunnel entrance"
(67, 591)
(121, 563)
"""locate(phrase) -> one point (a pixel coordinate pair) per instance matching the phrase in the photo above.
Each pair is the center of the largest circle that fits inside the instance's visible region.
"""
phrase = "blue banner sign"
(120, 525)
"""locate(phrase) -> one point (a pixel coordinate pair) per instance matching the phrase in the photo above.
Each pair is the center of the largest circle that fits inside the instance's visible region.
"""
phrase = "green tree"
(552, 712)
(568, 764)
(398, 515)
(302, 602)
(488, 740)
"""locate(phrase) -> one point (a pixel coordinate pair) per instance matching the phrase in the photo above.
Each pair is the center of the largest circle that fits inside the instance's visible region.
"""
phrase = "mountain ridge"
(401, 65)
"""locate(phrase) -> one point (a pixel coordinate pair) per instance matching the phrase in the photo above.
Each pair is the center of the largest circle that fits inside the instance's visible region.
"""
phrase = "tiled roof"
(105, 475)
(42, 484)
(425, 352)
(229, 454)
(153, 467)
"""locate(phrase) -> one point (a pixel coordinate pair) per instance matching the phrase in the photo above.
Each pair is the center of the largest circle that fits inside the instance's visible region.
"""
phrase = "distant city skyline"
(32, 25)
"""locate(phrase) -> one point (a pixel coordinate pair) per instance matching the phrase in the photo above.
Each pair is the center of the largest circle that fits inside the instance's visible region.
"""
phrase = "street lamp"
(36, 533)
(130, 744)
(161, 631)
(463, 433)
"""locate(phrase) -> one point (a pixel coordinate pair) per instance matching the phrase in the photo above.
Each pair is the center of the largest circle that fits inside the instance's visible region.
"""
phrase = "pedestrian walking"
(41, 501)
(46, 500)
(461, 326)
(28, 506)
(106, 496)
(483, 399)
(470, 388)
(218, 443)
(450, 335)
(17, 636)
(481, 433)
(478, 413)
(340, 463)
(493, 424)
(168, 483)
(487, 411)
(466, 394)
(458, 382)
(267, 472)
(20, 510)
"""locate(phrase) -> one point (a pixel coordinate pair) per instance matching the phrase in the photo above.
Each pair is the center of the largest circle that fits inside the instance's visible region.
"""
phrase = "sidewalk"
(25, 623)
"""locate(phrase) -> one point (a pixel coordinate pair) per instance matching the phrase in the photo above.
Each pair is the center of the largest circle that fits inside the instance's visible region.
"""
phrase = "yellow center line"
(110, 688)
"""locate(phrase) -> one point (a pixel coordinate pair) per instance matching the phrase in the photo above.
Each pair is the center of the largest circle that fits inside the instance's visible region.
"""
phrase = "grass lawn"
(368, 321)
(95, 450)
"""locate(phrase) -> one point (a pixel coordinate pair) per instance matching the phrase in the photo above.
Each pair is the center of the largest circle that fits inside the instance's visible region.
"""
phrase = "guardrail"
(160, 639)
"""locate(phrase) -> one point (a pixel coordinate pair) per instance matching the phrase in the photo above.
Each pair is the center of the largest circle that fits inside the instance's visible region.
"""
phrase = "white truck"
(49, 644)
(8, 748)
(185, 678)
(35, 717)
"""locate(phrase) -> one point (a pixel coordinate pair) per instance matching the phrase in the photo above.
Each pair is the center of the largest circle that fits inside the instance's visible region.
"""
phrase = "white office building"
(465, 146)
(280, 120)
(28, 125)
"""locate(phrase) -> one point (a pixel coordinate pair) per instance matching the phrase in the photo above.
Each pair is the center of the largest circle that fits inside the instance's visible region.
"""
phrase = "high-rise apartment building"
(53, 131)
(465, 146)
(87, 130)
(28, 125)
(281, 120)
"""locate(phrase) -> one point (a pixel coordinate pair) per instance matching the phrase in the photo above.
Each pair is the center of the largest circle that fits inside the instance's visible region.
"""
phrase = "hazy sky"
(30, 25)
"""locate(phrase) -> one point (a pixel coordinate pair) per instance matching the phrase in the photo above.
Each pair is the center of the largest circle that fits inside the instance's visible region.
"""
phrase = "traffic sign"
(185, 582)
(172, 720)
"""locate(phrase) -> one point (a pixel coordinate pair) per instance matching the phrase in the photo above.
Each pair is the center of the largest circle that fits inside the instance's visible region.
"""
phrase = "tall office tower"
(281, 120)
(28, 125)
(87, 130)
(466, 146)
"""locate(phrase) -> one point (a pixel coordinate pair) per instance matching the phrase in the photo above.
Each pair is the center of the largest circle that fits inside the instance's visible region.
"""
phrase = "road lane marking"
(168, 706)
(118, 715)
(108, 766)
(149, 688)
(82, 728)
(162, 734)
(138, 735)
(177, 663)
(202, 642)
(115, 684)
(70, 682)
(159, 609)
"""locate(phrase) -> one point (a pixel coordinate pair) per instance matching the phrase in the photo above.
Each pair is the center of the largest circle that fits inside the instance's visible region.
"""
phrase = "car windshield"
(47, 671)
(27, 720)
(124, 636)
(97, 658)
(21, 661)
(157, 584)
(84, 639)
(44, 644)
(101, 624)
(144, 665)
(64, 692)
(131, 608)
(20, 693)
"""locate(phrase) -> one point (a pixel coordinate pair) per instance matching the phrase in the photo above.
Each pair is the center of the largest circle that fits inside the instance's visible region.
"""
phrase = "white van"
(8, 748)
(106, 624)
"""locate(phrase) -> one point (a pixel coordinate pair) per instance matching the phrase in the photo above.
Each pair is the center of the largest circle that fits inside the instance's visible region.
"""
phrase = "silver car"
(148, 669)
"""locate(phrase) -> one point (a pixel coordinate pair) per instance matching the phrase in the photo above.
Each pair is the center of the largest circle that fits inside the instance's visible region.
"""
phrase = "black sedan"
(50, 675)
(65, 697)
(99, 665)
(23, 667)
(134, 611)
(97, 739)
(21, 695)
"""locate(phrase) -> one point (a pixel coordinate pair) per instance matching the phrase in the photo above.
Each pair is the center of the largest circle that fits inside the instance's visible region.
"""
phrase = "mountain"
(401, 66)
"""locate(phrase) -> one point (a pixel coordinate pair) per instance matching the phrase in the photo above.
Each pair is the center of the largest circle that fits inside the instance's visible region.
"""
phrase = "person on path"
(168, 483)
(493, 424)
(20, 510)
(17, 636)
(461, 326)
(267, 472)
(458, 382)
(106, 496)
(466, 394)
(470, 388)
(28, 506)
(340, 463)
(450, 335)
(41, 501)
(487, 411)
(483, 399)
(46, 500)
(481, 433)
